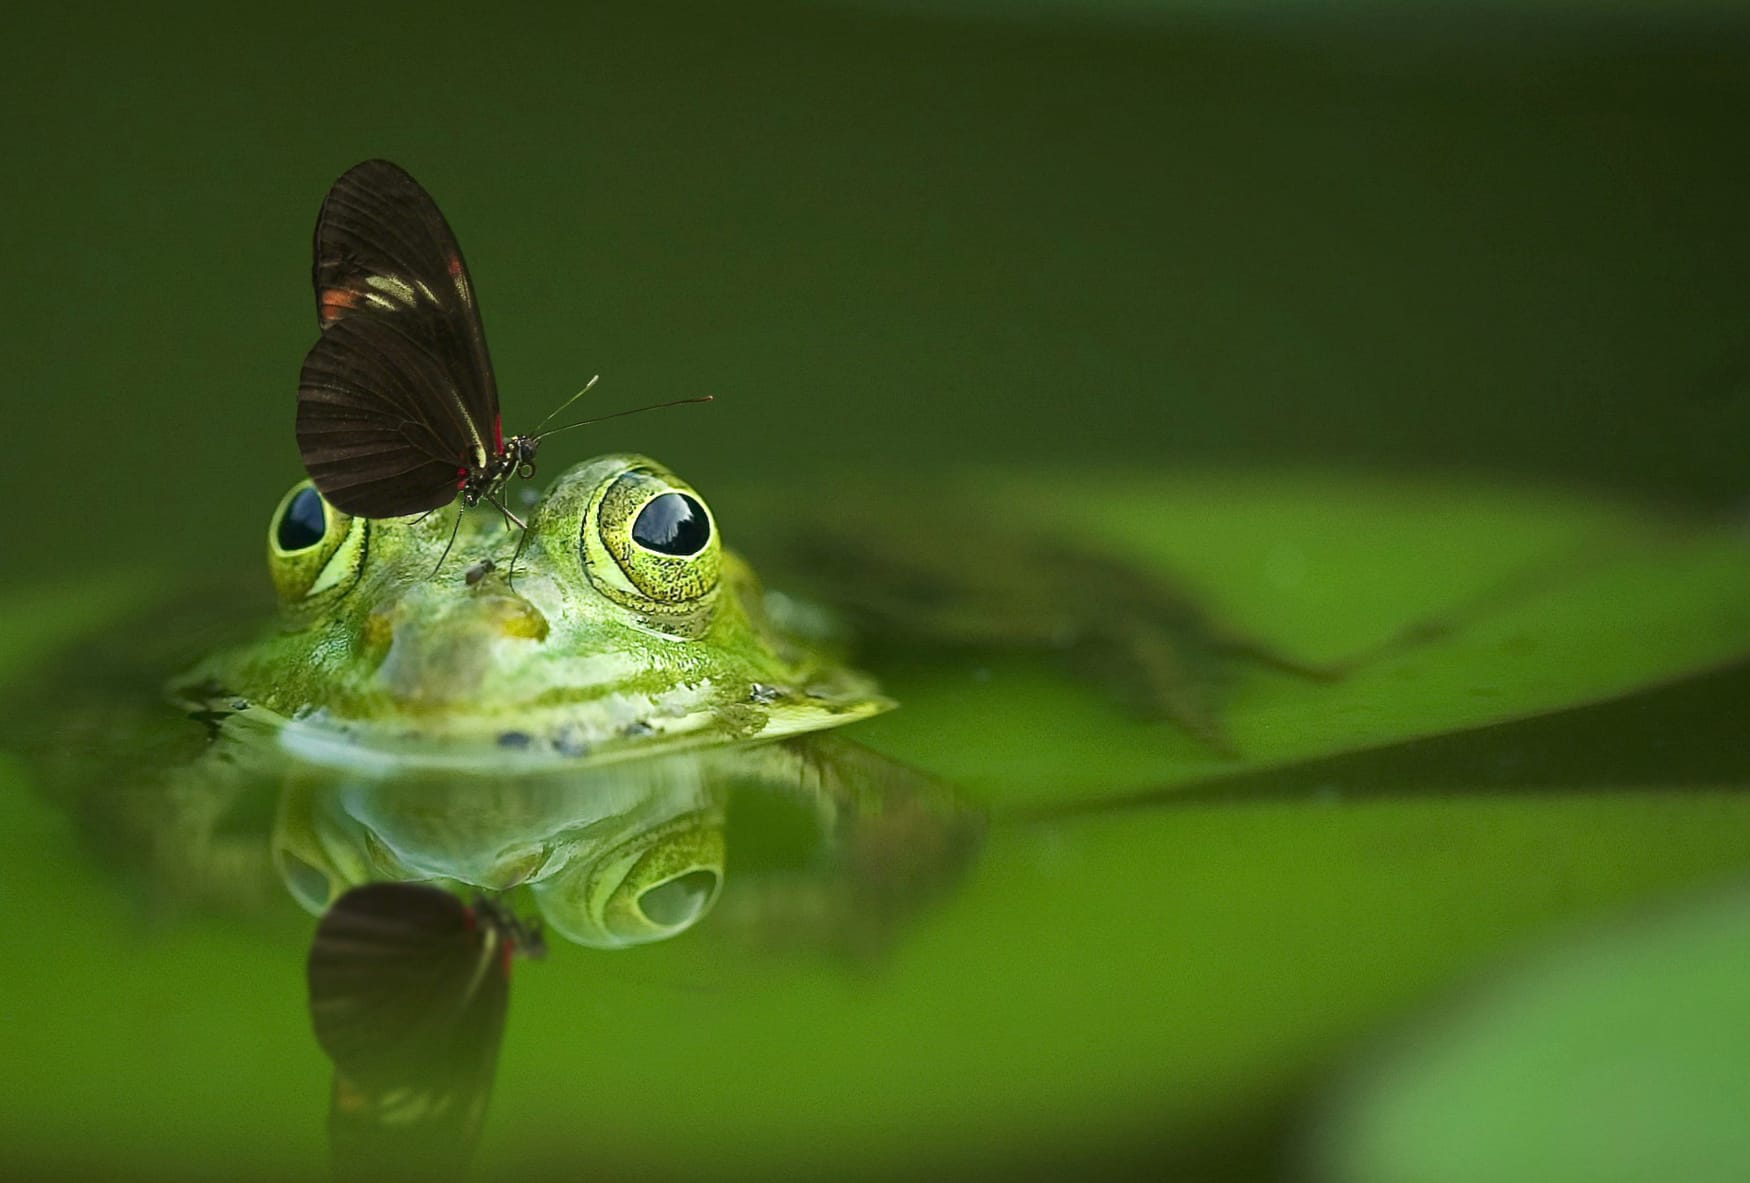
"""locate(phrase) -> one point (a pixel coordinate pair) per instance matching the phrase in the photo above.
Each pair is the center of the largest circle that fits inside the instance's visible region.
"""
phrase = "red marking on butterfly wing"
(332, 302)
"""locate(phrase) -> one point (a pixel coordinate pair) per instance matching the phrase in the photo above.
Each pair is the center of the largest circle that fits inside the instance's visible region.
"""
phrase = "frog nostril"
(680, 900)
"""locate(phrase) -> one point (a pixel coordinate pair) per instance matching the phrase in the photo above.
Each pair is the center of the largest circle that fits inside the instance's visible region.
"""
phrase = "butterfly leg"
(510, 572)
(510, 518)
(454, 530)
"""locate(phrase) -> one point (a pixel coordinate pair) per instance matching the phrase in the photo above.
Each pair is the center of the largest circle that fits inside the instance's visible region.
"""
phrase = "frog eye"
(672, 524)
(303, 522)
(661, 541)
(312, 548)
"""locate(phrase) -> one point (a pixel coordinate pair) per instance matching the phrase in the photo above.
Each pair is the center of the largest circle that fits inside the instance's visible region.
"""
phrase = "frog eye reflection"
(302, 521)
(672, 524)
(312, 548)
(658, 883)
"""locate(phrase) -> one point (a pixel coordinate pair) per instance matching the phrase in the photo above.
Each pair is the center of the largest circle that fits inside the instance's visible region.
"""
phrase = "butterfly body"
(514, 457)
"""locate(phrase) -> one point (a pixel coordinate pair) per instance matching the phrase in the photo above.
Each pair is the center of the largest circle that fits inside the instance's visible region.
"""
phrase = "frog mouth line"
(552, 738)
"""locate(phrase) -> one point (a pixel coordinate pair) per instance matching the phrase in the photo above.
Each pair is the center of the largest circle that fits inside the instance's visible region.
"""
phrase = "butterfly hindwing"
(401, 975)
(386, 262)
(408, 993)
(377, 422)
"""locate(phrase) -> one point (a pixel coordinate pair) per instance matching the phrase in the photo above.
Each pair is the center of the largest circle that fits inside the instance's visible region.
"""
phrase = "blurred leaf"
(1618, 1058)
(1532, 601)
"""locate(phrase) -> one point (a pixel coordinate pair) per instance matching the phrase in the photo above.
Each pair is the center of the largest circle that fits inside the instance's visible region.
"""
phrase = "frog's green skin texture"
(596, 650)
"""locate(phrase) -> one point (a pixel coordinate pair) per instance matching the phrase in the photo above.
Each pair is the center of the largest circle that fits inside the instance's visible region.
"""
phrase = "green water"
(1508, 254)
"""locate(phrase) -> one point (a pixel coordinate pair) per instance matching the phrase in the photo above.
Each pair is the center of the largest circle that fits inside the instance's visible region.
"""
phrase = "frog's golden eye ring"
(660, 541)
(313, 550)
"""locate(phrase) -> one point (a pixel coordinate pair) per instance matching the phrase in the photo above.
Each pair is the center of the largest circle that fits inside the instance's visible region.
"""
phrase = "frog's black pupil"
(302, 525)
(672, 524)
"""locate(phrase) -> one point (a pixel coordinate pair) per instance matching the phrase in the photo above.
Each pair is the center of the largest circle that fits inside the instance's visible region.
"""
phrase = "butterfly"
(409, 987)
(397, 405)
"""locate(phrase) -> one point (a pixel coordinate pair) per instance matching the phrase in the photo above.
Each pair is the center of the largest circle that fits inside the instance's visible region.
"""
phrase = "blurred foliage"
(889, 240)
(1113, 983)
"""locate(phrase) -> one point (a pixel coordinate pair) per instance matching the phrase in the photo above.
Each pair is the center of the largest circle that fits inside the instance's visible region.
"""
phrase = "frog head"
(625, 629)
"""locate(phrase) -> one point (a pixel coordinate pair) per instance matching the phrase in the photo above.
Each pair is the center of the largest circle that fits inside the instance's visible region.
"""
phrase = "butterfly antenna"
(566, 403)
(679, 402)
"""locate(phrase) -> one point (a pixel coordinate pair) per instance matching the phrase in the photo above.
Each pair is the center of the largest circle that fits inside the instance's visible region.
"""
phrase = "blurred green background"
(1509, 238)
(1505, 241)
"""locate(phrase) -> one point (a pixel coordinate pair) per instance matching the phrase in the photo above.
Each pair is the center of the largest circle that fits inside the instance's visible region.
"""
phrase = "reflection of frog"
(577, 728)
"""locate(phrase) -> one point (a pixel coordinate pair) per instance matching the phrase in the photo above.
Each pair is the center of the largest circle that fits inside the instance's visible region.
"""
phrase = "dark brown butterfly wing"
(408, 993)
(375, 439)
(385, 255)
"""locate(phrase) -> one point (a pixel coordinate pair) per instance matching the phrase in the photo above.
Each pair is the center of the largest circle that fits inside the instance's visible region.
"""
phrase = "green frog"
(626, 629)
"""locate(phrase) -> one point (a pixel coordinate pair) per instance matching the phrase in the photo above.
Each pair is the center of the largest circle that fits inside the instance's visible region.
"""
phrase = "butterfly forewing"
(385, 257)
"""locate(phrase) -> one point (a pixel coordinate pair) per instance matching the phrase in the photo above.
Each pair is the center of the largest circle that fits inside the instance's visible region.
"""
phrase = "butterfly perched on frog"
(397, 404)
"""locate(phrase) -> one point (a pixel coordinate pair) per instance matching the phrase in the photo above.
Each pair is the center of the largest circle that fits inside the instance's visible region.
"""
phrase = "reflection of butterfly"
(408, 992)
(397, 406)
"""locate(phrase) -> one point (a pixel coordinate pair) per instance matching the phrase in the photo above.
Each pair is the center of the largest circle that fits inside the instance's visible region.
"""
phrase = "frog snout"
(514, 616)
(479, 618)
(445, 653)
